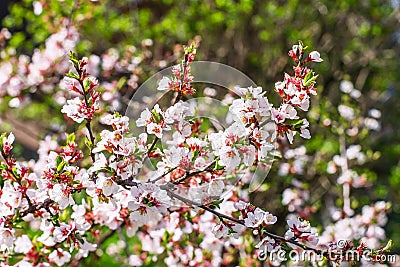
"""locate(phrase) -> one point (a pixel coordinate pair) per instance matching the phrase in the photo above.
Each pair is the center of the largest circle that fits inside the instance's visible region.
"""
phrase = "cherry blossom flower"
(61, 195)
(254, 217)
(6, 143)
(77, 110)
(301, 229)
(220, 230)
(346, 112)
(241, 205)
(177, 156)
(11, 199)
(6, 238)
(62, 232)
(144, 214)
(145, 118)
(294, 52)
(108, 186)
(268, 244)
(135, 260)
(114, 180)
(252, 105)
(119, 123)
(163, 84)
(59, 257)
(229, 157)
(315, 57)
(284, 112)
(23, 244)
(304, 132)
(85, 249)
(215, 187)
(154, 128)
(154, 121)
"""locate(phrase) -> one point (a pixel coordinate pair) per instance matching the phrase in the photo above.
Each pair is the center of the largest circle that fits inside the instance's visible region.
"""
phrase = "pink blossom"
(77, 110)
(220, 230)
(6, 238)
(61, 195)
(154, 128)
(301, 229)
(229, 158)
(268, 244)
(23, 244)
(7, 143)
(254, 218)
(59, 257)
(285, 111)
(62, 232)
(215, 188)
(163, 84)
(315, 56)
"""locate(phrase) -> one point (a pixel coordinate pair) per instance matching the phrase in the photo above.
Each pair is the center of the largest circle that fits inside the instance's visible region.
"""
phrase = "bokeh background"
(359, 41)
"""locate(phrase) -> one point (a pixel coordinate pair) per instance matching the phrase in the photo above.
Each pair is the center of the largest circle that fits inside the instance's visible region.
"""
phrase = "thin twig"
(161, 176)
(190, 174)
(150, 149)
(88, 121)
(221, 215)
(17, 179)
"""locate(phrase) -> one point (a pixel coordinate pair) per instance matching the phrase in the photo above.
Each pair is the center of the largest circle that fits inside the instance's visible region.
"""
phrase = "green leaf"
(64, 215)
(121, 82)
(71, 138)
(2, 136)
(88, 143)
(74, 59)
(388, 246)
(86, 84)
(157, 117)
(217, 166)
(307, 77)
(54, 219)
(60, 163)
(217, 202)
(3, 167)
(72, 75)
(195, 154)
(310, 79)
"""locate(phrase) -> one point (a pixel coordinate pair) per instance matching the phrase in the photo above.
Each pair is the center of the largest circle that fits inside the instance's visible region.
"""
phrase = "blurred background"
(359, 41)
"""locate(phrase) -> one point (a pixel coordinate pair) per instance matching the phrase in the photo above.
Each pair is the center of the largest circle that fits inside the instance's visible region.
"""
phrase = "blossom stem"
(161, 176)
(221, 215)
(35, 207)
(88, 121)
(153, 144)
(184, 64)
(190, 174)
(17, 179)
(346, 186)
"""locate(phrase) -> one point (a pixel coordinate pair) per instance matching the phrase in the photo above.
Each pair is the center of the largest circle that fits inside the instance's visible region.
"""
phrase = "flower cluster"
(366, 226)
(181, 82)
(295, 92)
(85, 85)
(179, 212)
(154, 121)
(300, 229)
(20, 73)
